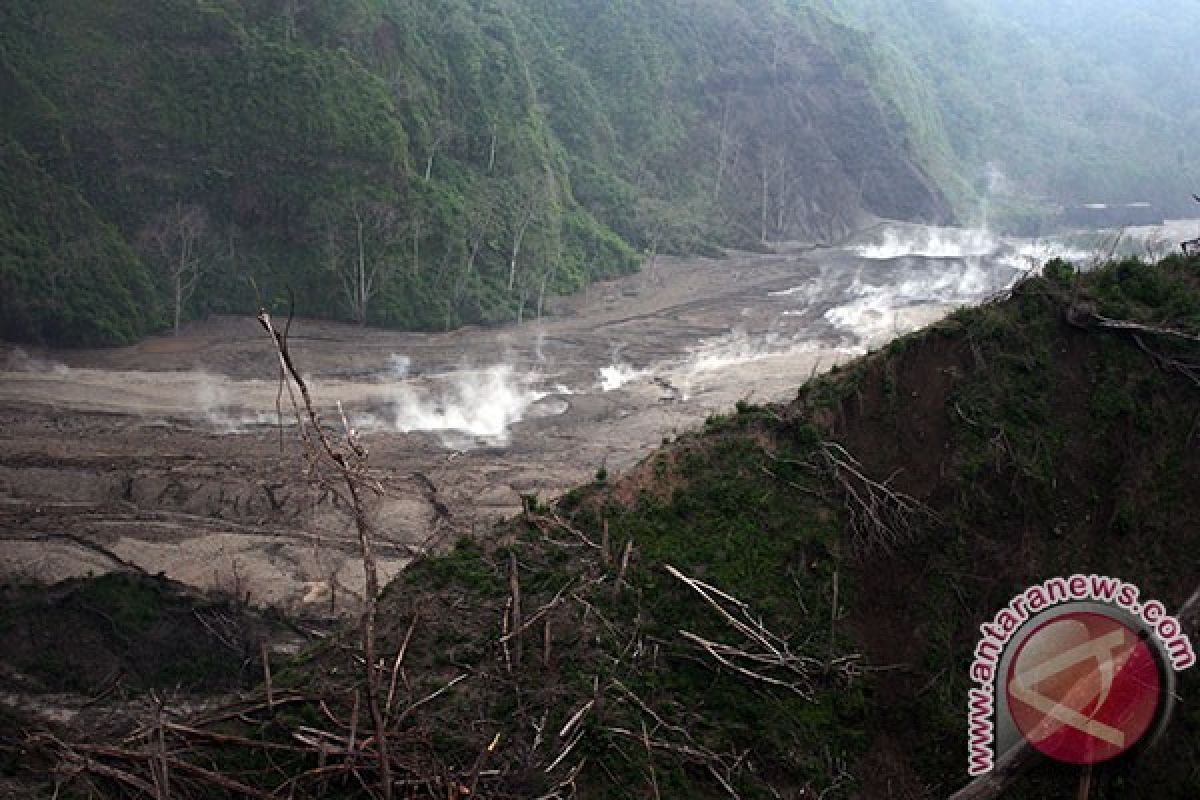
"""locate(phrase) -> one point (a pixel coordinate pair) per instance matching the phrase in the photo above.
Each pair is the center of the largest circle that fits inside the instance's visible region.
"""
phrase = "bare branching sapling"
(175, 239)
(340, 467)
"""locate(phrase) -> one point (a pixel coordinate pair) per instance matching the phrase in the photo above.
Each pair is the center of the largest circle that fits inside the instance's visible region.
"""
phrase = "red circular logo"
(1083, 688)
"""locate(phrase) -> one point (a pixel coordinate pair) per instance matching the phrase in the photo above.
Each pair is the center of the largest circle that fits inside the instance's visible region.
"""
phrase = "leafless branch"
(880, 517)
(767, 657)
(328, 466)
(1129, 325)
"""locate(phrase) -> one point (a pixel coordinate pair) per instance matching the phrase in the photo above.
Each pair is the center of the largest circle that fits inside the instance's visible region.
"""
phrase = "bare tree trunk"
(516, 249)
(780, 199)
(542, 294)
(178, 301)
(766, 186)
(175, 237)
(722, 146)
(289, 24)
(416, 249)
(429, 160)
(475, 245)
(371, 594)
(360, 301)
(654, 255)
(445, 131)
(349, 465)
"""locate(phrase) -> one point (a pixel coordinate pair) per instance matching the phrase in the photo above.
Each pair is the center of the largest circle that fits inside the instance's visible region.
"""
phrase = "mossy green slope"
(476, 157)
(1004, 91)
(65, 273)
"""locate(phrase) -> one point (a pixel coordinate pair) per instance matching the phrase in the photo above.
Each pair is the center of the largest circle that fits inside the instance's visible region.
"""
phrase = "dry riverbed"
(166, 457)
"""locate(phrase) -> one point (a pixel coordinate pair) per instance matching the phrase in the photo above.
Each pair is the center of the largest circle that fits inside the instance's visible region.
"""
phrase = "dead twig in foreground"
(349, 468)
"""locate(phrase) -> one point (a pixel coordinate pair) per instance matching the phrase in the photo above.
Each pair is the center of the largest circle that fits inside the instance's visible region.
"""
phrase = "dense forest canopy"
(429, 164)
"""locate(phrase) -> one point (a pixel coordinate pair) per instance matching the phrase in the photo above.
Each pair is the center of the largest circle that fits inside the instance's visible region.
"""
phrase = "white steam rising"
(17, 360)
(879, 312)
(966, 243)
(398, 367)
(213, 402)
(1032, 254)
(616, 375)
(217, 400)
(465, 408)
(734, 348)
(931, 243)
(469, 404)
(858, 298)
(939, 268)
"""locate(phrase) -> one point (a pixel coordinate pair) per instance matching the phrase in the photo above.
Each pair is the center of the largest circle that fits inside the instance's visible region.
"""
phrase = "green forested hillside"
(418, 164)
(429, 164)
(62, 268)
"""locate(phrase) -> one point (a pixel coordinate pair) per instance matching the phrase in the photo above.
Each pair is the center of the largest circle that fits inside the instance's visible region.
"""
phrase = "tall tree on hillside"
(479, 219)
(772, 164)
(528, 211)
(290, 9)
(358, 245)
(174, 239)
(727, 146)
(443, 134)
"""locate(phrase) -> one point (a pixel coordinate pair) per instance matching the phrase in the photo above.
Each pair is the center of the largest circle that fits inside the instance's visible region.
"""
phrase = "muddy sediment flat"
(167, 457)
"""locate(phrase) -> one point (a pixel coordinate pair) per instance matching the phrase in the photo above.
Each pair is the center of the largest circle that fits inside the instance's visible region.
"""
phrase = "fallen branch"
(1189, 371)
(387, 706)
(625, 554)
(1128, 325)
(880, 517)
(546, 522)
(558, 598)
(431, 697)
(768, 658)
(515, 625)
(691, 752)
(567, 784)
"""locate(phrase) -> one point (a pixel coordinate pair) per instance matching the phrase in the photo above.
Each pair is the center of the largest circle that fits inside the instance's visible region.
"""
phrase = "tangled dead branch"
(1127, 325)
(880, 517)
(1188, 369)
(168, 757)
(1083, 315)
(766, 657)
(677, 740)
